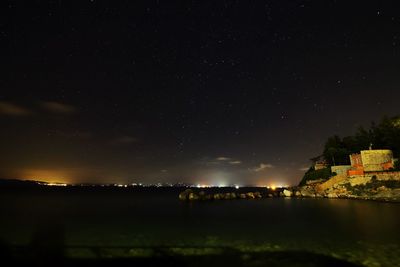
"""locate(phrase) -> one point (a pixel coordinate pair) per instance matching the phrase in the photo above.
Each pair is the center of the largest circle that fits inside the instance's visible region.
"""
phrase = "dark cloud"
(222, 161)
(76, 135)
(262, 166)
(11, 109)
(223, 158)
(57, 107)
(124, 140)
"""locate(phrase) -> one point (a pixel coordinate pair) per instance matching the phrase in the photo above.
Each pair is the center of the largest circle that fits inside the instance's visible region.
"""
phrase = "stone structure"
(320, 164)
(357, 167)
(340, 169)
(377, 160)
(370, 161)
(364, 166)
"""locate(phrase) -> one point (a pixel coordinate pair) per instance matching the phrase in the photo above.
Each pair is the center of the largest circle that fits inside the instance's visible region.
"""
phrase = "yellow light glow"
(273, 187)
(56, 184)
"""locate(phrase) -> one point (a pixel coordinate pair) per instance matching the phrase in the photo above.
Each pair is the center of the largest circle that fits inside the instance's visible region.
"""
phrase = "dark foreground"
(148, 227)
(167, 257)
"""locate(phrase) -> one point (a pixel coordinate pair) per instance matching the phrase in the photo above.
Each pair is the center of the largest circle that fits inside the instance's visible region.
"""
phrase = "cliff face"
(382, 186)
(375, 186)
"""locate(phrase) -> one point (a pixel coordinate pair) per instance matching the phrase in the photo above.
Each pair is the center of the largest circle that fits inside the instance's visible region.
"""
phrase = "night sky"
(217, 92)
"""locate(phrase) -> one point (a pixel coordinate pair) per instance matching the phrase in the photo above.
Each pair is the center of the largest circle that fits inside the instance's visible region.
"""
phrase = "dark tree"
(336, 152)
(385, 135)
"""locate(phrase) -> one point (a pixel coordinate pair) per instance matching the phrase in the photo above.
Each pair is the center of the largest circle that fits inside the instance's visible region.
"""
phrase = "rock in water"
(193, 196)
(287, 193)
(257, 195)
(185, 194)
(217, 196)
(307, 192)
(202, 195)
(332, 195)
(250, 195)
(227, 196)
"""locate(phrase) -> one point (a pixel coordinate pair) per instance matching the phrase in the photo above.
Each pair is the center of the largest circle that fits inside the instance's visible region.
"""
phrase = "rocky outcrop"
(366, 187)
(332, 195)
(360, 180)
(189, 194)
(388, 194)
(307, 191)
(331, 182)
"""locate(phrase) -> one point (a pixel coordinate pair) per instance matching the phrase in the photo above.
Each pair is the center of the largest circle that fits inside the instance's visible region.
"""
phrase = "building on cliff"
(321, 164)
(372, 160)
(340, 169)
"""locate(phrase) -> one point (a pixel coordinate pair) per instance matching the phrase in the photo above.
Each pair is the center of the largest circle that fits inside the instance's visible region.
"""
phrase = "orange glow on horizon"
(48, 176)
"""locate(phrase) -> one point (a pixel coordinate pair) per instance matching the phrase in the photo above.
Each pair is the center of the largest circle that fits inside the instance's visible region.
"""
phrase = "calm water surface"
(361, 231)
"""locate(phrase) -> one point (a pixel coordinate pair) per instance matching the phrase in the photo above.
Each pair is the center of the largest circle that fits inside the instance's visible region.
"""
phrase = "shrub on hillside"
(397, 165)
(313, 174)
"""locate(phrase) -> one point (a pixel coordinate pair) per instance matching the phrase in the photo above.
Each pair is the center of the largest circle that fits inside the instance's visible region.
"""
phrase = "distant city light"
(237, 187)
(56, 184)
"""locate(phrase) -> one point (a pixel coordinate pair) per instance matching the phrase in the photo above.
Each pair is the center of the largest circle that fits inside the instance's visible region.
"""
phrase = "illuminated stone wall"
(376, 160)
(355, 160)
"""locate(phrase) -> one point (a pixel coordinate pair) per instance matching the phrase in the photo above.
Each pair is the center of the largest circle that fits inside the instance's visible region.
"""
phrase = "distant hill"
(18, 183)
